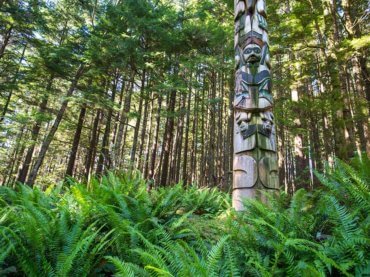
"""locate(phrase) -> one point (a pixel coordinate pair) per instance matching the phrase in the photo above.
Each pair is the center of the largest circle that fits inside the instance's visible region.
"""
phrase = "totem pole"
(255, 165)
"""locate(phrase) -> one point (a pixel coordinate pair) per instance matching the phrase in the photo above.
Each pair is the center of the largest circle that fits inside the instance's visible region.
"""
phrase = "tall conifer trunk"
(104, 157)
(92, 146)
(187, 128)
(14, 81)
(22, 176)
(76, 142)
(167, 140)
(155, 143)
(45, 145)
(138, 120)
(5, 42)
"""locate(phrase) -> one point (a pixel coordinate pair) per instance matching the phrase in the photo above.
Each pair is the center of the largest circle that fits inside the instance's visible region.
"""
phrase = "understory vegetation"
(116, 226)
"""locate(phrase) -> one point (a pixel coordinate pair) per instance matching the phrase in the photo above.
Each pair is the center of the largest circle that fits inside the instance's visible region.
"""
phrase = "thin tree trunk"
(168, 138)
(121, 136)
(92, 147)
(7, 102)
(212, 178)
(45, 146)
(76, 142)
(149, 141)
(180, 143)
(13, 159)
(104, 154)
(143, 133)
(116, 123)
(155, 144)
(194, 131)
(203, 165)
(187, 128)
(355, 32)
(174, 147)
(138, 121)
(22, 176)
(7, 36)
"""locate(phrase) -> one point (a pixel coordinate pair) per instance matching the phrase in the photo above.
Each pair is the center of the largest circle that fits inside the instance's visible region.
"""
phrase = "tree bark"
(187, 128)
(121, 136)
(178, 152)
(143, 133)
(103, 162)
(76, 142)
(7, 36)
(45, 146)
(155, 143)
(13, 159)
(34, 136)
(92, 147)
(168, 138)
(7, 102)
(149, 141)
(138, 121)
(362, 77)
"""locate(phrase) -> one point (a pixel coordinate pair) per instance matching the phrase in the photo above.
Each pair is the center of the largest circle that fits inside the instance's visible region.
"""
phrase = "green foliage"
(116, 226)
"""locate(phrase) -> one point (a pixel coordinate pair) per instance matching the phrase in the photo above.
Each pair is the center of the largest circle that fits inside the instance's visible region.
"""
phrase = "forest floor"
(115, 226)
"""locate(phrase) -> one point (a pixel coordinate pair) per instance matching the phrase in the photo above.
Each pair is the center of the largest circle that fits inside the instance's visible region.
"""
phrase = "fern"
(115, 226)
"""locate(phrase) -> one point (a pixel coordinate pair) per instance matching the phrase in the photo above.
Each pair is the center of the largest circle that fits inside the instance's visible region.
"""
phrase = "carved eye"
(257, 50)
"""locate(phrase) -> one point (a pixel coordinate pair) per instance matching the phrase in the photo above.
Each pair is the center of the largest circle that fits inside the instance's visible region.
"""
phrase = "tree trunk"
(104, 154)
(362, 77)
(341, 146)
(76, 142)
(22, 176)
(167, 143)
(155, 143)
(178, 151)
(149, 141)
(13, 158)
(121, 136)
(7, 36)
(143, 133)
(355, 32)
(194, 131)
(138, 120)
(45, 145)
(212, 176)
(117, 120)
(187, 128)
(7, 102)
(92, 147)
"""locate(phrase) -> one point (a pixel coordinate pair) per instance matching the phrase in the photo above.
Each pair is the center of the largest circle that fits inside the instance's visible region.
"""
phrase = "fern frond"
(123, 269)
(215, 255)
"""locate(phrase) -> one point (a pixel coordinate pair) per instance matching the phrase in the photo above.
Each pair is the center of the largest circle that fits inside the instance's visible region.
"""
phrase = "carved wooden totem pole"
(255, 158)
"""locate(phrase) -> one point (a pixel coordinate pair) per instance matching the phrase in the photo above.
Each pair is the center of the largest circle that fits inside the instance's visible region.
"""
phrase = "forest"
(116, 140)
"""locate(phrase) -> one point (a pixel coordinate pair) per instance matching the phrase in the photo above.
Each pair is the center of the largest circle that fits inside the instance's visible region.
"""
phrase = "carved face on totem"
(252, 53)
(267, 122)
(243, 121)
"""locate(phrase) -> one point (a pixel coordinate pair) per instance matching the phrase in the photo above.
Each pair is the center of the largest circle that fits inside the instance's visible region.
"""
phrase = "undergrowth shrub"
(116, 226)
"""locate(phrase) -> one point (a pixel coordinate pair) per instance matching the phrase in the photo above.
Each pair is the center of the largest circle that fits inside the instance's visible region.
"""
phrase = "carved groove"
(255, 157)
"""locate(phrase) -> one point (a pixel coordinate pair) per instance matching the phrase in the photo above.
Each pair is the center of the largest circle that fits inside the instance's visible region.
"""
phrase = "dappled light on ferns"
(118, 227)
